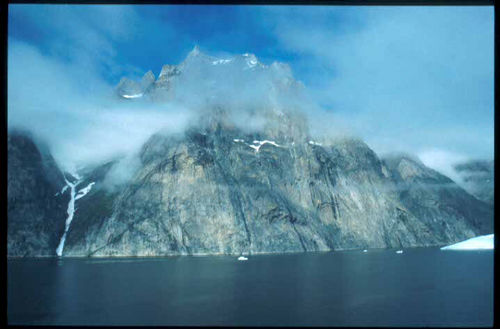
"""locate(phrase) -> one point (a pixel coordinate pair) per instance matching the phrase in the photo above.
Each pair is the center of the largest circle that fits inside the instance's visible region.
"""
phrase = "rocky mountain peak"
(209, 73)
(168, 71)
(195, 51)
(147, 80)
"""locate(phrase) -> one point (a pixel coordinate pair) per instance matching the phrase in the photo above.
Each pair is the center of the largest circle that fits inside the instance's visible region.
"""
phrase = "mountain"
(219, 191)
(216, 78)
(221, 187)
(36, 206)
(478, 178)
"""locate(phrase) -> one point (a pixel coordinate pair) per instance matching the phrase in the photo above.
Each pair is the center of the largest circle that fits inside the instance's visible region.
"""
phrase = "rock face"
(430, 195)
(219, 188)
(36, 208)
(478, 178)
(219, 191)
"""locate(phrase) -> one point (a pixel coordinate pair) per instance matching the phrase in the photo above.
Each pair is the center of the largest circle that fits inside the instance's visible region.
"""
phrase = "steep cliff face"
(219, 191)
(432, 196)
(36, 207)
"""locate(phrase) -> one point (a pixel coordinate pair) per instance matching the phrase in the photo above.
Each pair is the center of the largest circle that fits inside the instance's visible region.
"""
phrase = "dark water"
(421, 287)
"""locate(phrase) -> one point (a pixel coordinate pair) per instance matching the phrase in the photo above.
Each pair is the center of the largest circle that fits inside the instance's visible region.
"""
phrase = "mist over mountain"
(478, 178)
(225, 156)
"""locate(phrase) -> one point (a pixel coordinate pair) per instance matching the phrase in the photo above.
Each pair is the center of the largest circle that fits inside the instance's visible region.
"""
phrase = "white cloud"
(443, 161)
(405, 77)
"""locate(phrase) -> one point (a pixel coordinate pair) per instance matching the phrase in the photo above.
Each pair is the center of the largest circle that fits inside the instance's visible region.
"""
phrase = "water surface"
(421, 287)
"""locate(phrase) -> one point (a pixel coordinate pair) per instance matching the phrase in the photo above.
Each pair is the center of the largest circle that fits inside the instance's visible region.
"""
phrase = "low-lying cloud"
(77, 114)
(400, 78)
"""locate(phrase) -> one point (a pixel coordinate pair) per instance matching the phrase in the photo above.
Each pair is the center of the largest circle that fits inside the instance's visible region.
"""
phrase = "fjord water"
(420, 287)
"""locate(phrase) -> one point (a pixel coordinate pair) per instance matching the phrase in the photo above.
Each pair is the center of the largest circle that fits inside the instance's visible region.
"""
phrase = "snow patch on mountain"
(84, 191)
(222, 61)
(260, 143)
(132, 96)
(70, 212)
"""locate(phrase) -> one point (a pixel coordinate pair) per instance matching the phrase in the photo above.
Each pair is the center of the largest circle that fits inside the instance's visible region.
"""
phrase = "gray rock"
(430, 196)
(129, 88)
(205, 193)
(36, 208)
(147, 81)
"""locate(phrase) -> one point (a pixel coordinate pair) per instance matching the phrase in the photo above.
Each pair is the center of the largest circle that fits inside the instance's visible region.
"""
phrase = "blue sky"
(415, 79)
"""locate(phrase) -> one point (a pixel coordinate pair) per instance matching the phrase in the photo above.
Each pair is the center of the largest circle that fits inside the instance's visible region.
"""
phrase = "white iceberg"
(399, 252)
(242, 258)
(479, 242)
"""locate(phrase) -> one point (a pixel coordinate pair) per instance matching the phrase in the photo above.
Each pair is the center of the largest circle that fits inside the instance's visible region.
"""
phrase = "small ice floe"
(365, 250)
(314, 143)
(479, 242)
(242, 258)
(239, 140)
(260, 143)
(132, 96)
(399, 252)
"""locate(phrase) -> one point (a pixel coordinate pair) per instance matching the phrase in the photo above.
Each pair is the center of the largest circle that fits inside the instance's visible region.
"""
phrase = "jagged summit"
(207, 73)
(195, 51)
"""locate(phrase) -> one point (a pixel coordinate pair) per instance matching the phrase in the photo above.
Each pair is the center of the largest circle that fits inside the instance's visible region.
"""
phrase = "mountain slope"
(219, 191)
(36, 208)
(478, 178)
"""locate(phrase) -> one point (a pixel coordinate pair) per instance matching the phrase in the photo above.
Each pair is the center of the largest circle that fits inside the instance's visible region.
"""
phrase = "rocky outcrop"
(432, 196)
(35, 206)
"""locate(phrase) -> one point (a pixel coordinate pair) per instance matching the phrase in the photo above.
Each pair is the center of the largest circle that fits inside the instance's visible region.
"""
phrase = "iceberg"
(242, 258)
(479, 242)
